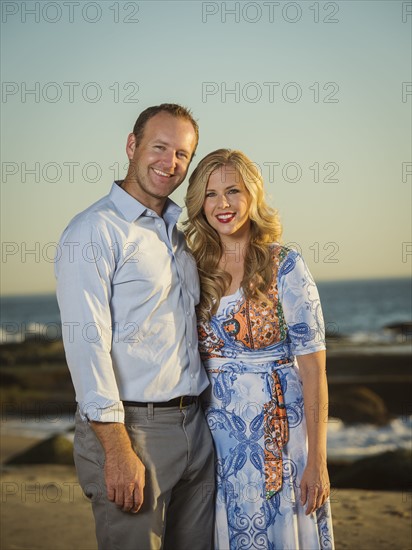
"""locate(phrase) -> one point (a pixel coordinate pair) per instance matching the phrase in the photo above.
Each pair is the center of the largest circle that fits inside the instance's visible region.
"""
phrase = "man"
(127, 289)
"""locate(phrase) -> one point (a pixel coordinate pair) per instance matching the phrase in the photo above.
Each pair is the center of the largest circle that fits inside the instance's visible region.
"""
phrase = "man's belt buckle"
(186, 400)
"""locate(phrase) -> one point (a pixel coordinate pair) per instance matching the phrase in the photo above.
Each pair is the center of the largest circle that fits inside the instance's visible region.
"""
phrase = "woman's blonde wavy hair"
(205, 242)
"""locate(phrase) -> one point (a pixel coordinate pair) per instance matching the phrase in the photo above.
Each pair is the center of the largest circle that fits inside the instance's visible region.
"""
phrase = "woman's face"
(226, 204)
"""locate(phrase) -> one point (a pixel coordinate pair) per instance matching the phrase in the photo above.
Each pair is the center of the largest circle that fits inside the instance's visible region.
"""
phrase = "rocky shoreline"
(371, 498)
(364, 387)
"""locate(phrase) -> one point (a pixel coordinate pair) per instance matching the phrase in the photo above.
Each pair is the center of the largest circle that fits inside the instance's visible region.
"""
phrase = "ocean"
(362, 309)
(356, 311)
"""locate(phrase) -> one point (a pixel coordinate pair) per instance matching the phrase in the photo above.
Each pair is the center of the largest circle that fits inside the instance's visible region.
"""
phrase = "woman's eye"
(232, 191)
(210, 194)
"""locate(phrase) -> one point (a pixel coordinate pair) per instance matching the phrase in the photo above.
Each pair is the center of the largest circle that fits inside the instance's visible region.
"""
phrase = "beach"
(43, 508)
(42, 505)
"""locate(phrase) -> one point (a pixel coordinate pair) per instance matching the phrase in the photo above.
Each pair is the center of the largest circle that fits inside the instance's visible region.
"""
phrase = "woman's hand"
(314, 487)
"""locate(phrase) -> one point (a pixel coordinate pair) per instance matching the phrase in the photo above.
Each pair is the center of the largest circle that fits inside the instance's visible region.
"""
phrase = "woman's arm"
(315, 486)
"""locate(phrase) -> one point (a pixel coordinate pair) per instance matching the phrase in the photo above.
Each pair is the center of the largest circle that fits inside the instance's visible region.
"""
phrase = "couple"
(147, 455)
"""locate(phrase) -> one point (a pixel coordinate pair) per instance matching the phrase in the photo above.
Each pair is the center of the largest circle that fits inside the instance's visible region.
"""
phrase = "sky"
(317, 94)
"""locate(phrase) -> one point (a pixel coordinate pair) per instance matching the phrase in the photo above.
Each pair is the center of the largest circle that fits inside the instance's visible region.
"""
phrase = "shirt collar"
(132, 209)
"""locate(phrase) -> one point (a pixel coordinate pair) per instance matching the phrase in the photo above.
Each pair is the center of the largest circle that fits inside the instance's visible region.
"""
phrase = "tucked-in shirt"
(127, 289)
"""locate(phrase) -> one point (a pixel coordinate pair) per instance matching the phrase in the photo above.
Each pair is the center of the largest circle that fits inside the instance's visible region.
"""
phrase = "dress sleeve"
(300, 302)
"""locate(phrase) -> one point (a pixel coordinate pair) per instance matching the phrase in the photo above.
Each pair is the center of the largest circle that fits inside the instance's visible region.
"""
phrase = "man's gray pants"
(176, 448)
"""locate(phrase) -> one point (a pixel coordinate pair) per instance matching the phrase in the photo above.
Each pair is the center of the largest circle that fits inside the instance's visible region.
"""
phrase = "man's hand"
(124, 471)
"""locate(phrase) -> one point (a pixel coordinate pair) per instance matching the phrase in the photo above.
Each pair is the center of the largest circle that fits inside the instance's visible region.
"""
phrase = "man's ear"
(130, 145)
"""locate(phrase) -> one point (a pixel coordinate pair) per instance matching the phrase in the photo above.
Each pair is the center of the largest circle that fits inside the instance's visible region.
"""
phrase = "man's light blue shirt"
(127, 289)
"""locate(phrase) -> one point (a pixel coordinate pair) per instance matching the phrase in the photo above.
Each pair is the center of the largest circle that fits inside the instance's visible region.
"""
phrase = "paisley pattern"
(254, 408)
(276, 435)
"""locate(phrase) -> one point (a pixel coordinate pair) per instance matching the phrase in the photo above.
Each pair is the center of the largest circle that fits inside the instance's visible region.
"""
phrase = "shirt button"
(192, 376)
(149, 212)
(188, 313)
(190, 344)
(159, 225)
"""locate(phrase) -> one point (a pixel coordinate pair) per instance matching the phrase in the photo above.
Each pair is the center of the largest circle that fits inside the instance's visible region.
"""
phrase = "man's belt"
(181, 402)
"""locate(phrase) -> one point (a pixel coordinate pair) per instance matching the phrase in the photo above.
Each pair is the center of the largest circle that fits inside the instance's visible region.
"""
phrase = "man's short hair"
(173, 109)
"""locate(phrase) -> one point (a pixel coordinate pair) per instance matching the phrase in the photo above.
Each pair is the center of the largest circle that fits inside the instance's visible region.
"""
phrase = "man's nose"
(169, 160)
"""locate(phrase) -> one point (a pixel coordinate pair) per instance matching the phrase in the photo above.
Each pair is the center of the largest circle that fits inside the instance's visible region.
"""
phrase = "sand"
(42, 507)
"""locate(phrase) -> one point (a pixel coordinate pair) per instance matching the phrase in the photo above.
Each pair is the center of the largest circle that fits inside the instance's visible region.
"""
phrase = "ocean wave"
(361, 440)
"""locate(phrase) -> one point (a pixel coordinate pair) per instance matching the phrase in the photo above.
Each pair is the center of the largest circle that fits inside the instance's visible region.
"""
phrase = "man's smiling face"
(159, 162)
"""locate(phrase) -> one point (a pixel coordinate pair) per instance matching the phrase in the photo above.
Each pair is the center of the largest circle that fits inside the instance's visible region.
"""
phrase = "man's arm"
(84, 271)
(124, 471)
(84, 274)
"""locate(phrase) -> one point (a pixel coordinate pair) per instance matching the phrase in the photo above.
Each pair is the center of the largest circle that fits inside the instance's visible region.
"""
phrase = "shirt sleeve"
(302, 311)
(84, 269)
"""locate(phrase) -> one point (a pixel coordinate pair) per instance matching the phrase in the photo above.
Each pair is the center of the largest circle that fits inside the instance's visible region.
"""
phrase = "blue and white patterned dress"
(254, 408)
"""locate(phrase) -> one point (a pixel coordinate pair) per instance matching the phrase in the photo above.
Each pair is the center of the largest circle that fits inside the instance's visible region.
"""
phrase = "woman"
(259, 316)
